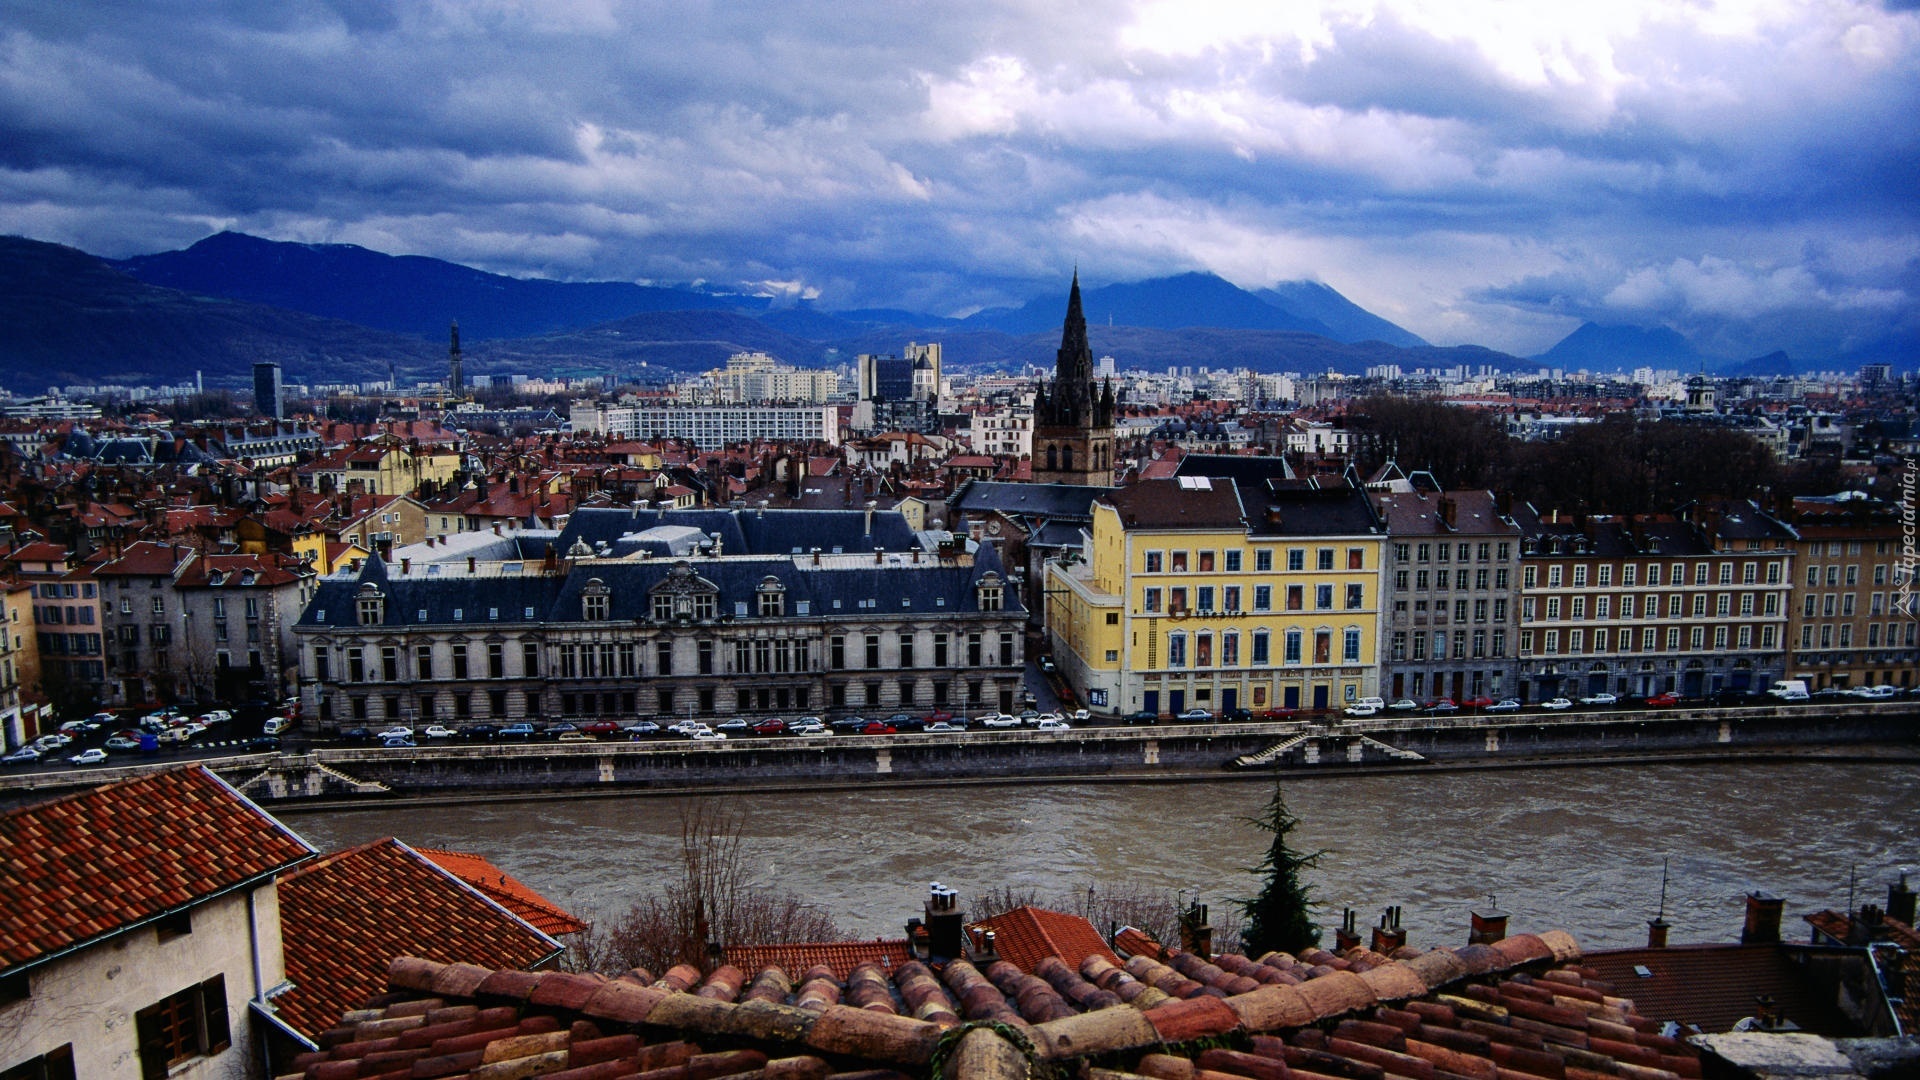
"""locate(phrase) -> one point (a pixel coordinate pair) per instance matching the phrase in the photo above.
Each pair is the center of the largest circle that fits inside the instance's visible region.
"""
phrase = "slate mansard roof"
(1269, 507)
(847, 586)
(746, 532)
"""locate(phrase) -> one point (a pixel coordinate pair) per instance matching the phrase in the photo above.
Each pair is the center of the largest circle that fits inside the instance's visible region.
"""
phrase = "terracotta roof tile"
(1026, 935)
(93, 863)
(344, 917)
(841, 956)
(1712, 986)
(506, 890)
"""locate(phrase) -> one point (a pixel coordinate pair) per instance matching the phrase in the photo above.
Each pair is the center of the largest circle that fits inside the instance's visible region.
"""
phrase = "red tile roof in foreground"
(840, 956)
(506, 890)
(1026, 935)
(344, 916)
(96, 862)
(1523, 1007)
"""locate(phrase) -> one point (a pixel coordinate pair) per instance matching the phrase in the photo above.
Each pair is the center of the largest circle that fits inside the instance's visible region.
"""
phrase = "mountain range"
(342, 313)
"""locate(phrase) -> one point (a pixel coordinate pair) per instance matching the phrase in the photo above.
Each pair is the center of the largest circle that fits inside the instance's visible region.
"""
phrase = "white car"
(941, 726)
(1361, 710)
(1556, 704)
(1046, 716)
(998, 720)
(709, 736)
(1053, 725)
(1873, 693)
(397, 731)
(1601, 698)
(96, 756)
(1405, 705)
(1081, 716)
(807, 725)
(440, 731)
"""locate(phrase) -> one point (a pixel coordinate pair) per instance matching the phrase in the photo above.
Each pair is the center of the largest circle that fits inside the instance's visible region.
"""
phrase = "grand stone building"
(1072, 422)
(1452, 587)
(627, 614)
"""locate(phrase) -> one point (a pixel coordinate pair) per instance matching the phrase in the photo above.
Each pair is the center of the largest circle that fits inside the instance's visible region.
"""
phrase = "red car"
(772, 725)
(937, 716)
(1476, 703)
(875, 727)
(1664, 700)
(601, 727)
(1277, 714)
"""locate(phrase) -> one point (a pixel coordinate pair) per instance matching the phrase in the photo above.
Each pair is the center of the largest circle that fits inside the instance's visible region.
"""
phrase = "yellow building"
(1195, 593)
(383, 465)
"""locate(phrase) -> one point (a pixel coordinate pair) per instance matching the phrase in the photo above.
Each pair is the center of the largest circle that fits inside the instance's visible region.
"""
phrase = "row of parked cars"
(400, 736)
(162, 729)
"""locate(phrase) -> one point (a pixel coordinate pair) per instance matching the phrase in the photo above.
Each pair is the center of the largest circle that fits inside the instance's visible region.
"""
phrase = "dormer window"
(684, 596)
(370, 605)
(596, 600)
(989, 592)
(216, 577)
(772, 596)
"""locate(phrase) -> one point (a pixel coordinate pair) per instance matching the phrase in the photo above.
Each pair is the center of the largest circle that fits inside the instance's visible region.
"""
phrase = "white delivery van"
(1789, 690)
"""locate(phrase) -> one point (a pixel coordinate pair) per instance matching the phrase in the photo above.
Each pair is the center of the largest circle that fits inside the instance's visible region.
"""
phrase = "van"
(1373, 703)
(278, 725)
(1789, 690)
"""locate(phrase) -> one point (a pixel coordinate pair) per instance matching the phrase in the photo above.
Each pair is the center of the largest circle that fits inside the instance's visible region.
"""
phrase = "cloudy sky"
(1745, 172)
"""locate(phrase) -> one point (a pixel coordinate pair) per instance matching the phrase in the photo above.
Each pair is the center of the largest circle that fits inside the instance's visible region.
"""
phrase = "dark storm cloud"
(1491, 173)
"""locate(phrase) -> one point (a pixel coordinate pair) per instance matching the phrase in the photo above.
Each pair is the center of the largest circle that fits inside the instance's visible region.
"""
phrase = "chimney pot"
(1489, 925)
(473, 563)
(1657, 933)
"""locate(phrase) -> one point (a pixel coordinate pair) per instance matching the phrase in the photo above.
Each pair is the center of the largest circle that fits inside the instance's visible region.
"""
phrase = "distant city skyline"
(1476, 172)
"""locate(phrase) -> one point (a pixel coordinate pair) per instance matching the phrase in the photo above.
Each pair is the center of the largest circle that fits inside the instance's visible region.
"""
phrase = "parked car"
(997, 720)
(901, 719)
(709, 736)
(356, 734)
(1664, 700)
(575, 736)
(937, 715)
(600, 727)
(850, 723)
(1053, 725)
(52, 741)
(276, 725)
(1080, 716)
(26, 755)
(95, 756)
(1144, 716)
(1195, 715)
(122, 742)
(264, 743)
(1505, 705)
(772, 725)
(439, 731)
(396, 743)
(1046, 716)
(642, 729)
(876, 727)
(1047, 665)
(517, 731)
(734, 725)
(554, 731)
(1556, 704)
(1476, 702)
(398, 731)
(1358, 710)
(1279, 714)
(1874, 693)
(1236, 715)
(481, 731)
(807, 725)
(1601, 698)
(1442, 705)
(942, 727)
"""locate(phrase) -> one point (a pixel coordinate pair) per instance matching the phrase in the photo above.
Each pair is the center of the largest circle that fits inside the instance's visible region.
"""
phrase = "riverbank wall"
(349, 776)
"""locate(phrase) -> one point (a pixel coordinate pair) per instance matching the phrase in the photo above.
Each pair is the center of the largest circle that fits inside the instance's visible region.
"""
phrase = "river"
(1570, 848)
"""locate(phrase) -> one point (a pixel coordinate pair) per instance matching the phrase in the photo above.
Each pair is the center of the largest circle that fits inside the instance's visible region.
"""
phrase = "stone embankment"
(1151, 753)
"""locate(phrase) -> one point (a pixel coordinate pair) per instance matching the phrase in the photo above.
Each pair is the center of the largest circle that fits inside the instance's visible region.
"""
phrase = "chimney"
(1763, 919)
(816, 556)
(1449, 511)
(879, 556)
(496, 528)
(869, 519)
(1389, 935)
(946, 937)
(473, 563)
(405, 565)
(1657, 932)
(1345, 937)
(1489, 924)
(1900, 901)
(1196, 933)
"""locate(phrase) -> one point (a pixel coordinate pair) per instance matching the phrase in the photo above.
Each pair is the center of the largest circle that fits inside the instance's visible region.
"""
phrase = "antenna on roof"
(1663, 889)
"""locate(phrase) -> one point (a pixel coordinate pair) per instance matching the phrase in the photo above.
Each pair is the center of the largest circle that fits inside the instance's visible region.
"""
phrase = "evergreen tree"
(1279, 917)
